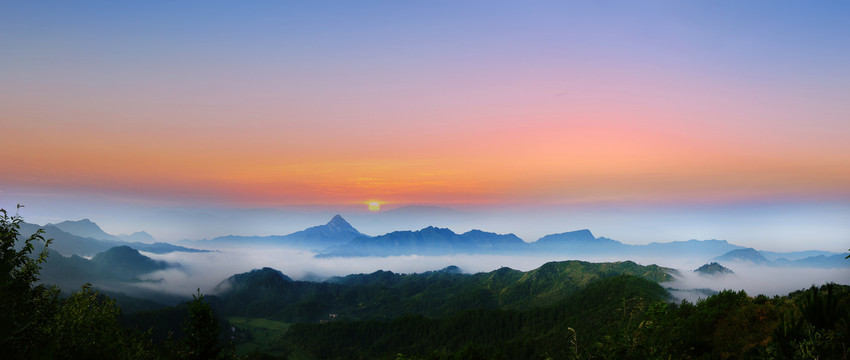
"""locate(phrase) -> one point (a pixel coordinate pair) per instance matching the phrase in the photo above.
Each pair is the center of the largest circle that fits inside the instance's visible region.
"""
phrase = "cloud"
(756, 280)
(206, 270)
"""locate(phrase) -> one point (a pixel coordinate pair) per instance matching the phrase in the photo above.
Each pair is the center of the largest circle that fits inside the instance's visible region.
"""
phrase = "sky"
(520, 107)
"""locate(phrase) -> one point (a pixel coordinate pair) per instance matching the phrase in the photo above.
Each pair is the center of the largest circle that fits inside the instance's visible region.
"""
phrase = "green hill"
(386, 295)
(713, 268)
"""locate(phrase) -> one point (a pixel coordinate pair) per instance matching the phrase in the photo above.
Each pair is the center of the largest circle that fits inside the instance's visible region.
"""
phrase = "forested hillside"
(384, 295)
(617, 318)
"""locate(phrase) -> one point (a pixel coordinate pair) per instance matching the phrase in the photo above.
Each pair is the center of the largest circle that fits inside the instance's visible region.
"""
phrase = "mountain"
(428, 241)
(713, 269)
(139, 236)
(266, 278)
(819, 261)
(578, 236)
(581, 241)
(85, 228)
(748, 255)
(755, 257)
(691, 248)
(107, 269)
(162, 248)
(125, 263)
(795, 255)
(68, 272)
(336, 232)
(383, 294)
(69, 244)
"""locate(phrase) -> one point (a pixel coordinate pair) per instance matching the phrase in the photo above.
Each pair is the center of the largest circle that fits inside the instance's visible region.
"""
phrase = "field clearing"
(258, 334)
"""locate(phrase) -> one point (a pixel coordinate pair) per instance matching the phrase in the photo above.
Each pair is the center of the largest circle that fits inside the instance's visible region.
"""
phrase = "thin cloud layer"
(206, 270)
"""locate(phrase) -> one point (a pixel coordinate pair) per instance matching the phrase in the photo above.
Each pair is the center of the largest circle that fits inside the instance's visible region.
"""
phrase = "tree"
(202, 330)
(34, 324)
(25, 307)
(86, 326)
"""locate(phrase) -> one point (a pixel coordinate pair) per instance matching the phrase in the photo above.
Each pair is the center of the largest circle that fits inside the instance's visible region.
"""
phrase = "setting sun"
(374, 206)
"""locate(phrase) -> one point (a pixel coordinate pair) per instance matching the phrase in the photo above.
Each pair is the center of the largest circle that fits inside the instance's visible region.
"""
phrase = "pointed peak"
(337, 219)
(339, 224)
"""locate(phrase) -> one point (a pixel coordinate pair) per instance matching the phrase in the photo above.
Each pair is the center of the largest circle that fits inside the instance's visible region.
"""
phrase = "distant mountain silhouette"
(691, 248)
(428, 241)
(753, 256)
(333, 233)
(336, 232)
(819, 261)
(139, 236)
(748, 255)
(66, 243)
(795, 255)
(162, 248)
(579, 241)
(85, 228)
(338, 238)
(69, 244)
(439, 241)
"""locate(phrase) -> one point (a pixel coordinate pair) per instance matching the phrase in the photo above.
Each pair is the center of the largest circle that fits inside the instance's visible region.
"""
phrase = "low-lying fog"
(206, 270)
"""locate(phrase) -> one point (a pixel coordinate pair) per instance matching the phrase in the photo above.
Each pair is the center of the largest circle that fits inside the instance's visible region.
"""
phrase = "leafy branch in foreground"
(25, 308)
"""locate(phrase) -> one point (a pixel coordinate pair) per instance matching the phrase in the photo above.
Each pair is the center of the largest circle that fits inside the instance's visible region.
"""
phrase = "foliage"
(556, 331)
(201, 330)
(386, 295)
(86, 326)
(623, 317)
(25, 308)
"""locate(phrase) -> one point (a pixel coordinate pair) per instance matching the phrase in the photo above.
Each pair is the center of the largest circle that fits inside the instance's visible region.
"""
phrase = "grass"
(262, 335)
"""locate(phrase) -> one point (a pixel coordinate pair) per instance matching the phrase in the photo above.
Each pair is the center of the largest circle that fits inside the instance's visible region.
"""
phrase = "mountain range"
(755, 257)
(86, 238)
(428, 241)
(433, 241)
(336, 232)
(338, 238)
(384, 295)
(110, 268)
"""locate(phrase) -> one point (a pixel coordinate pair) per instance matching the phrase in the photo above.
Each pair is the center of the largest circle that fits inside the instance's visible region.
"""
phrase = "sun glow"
(374, 206)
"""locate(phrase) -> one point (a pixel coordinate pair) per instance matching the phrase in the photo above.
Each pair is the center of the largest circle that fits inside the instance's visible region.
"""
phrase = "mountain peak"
(337, 223)
(713, 268)
(577, 236)
(85, 228)
(747, 254)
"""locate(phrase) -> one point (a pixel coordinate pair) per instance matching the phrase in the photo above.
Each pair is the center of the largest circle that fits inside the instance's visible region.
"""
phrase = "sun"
(374, 205)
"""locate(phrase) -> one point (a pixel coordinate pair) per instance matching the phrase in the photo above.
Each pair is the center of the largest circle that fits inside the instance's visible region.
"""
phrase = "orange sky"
(510, 106)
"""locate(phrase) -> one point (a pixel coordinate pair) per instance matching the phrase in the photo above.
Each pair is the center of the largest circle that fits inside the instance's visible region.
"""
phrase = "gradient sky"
(457, 103)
